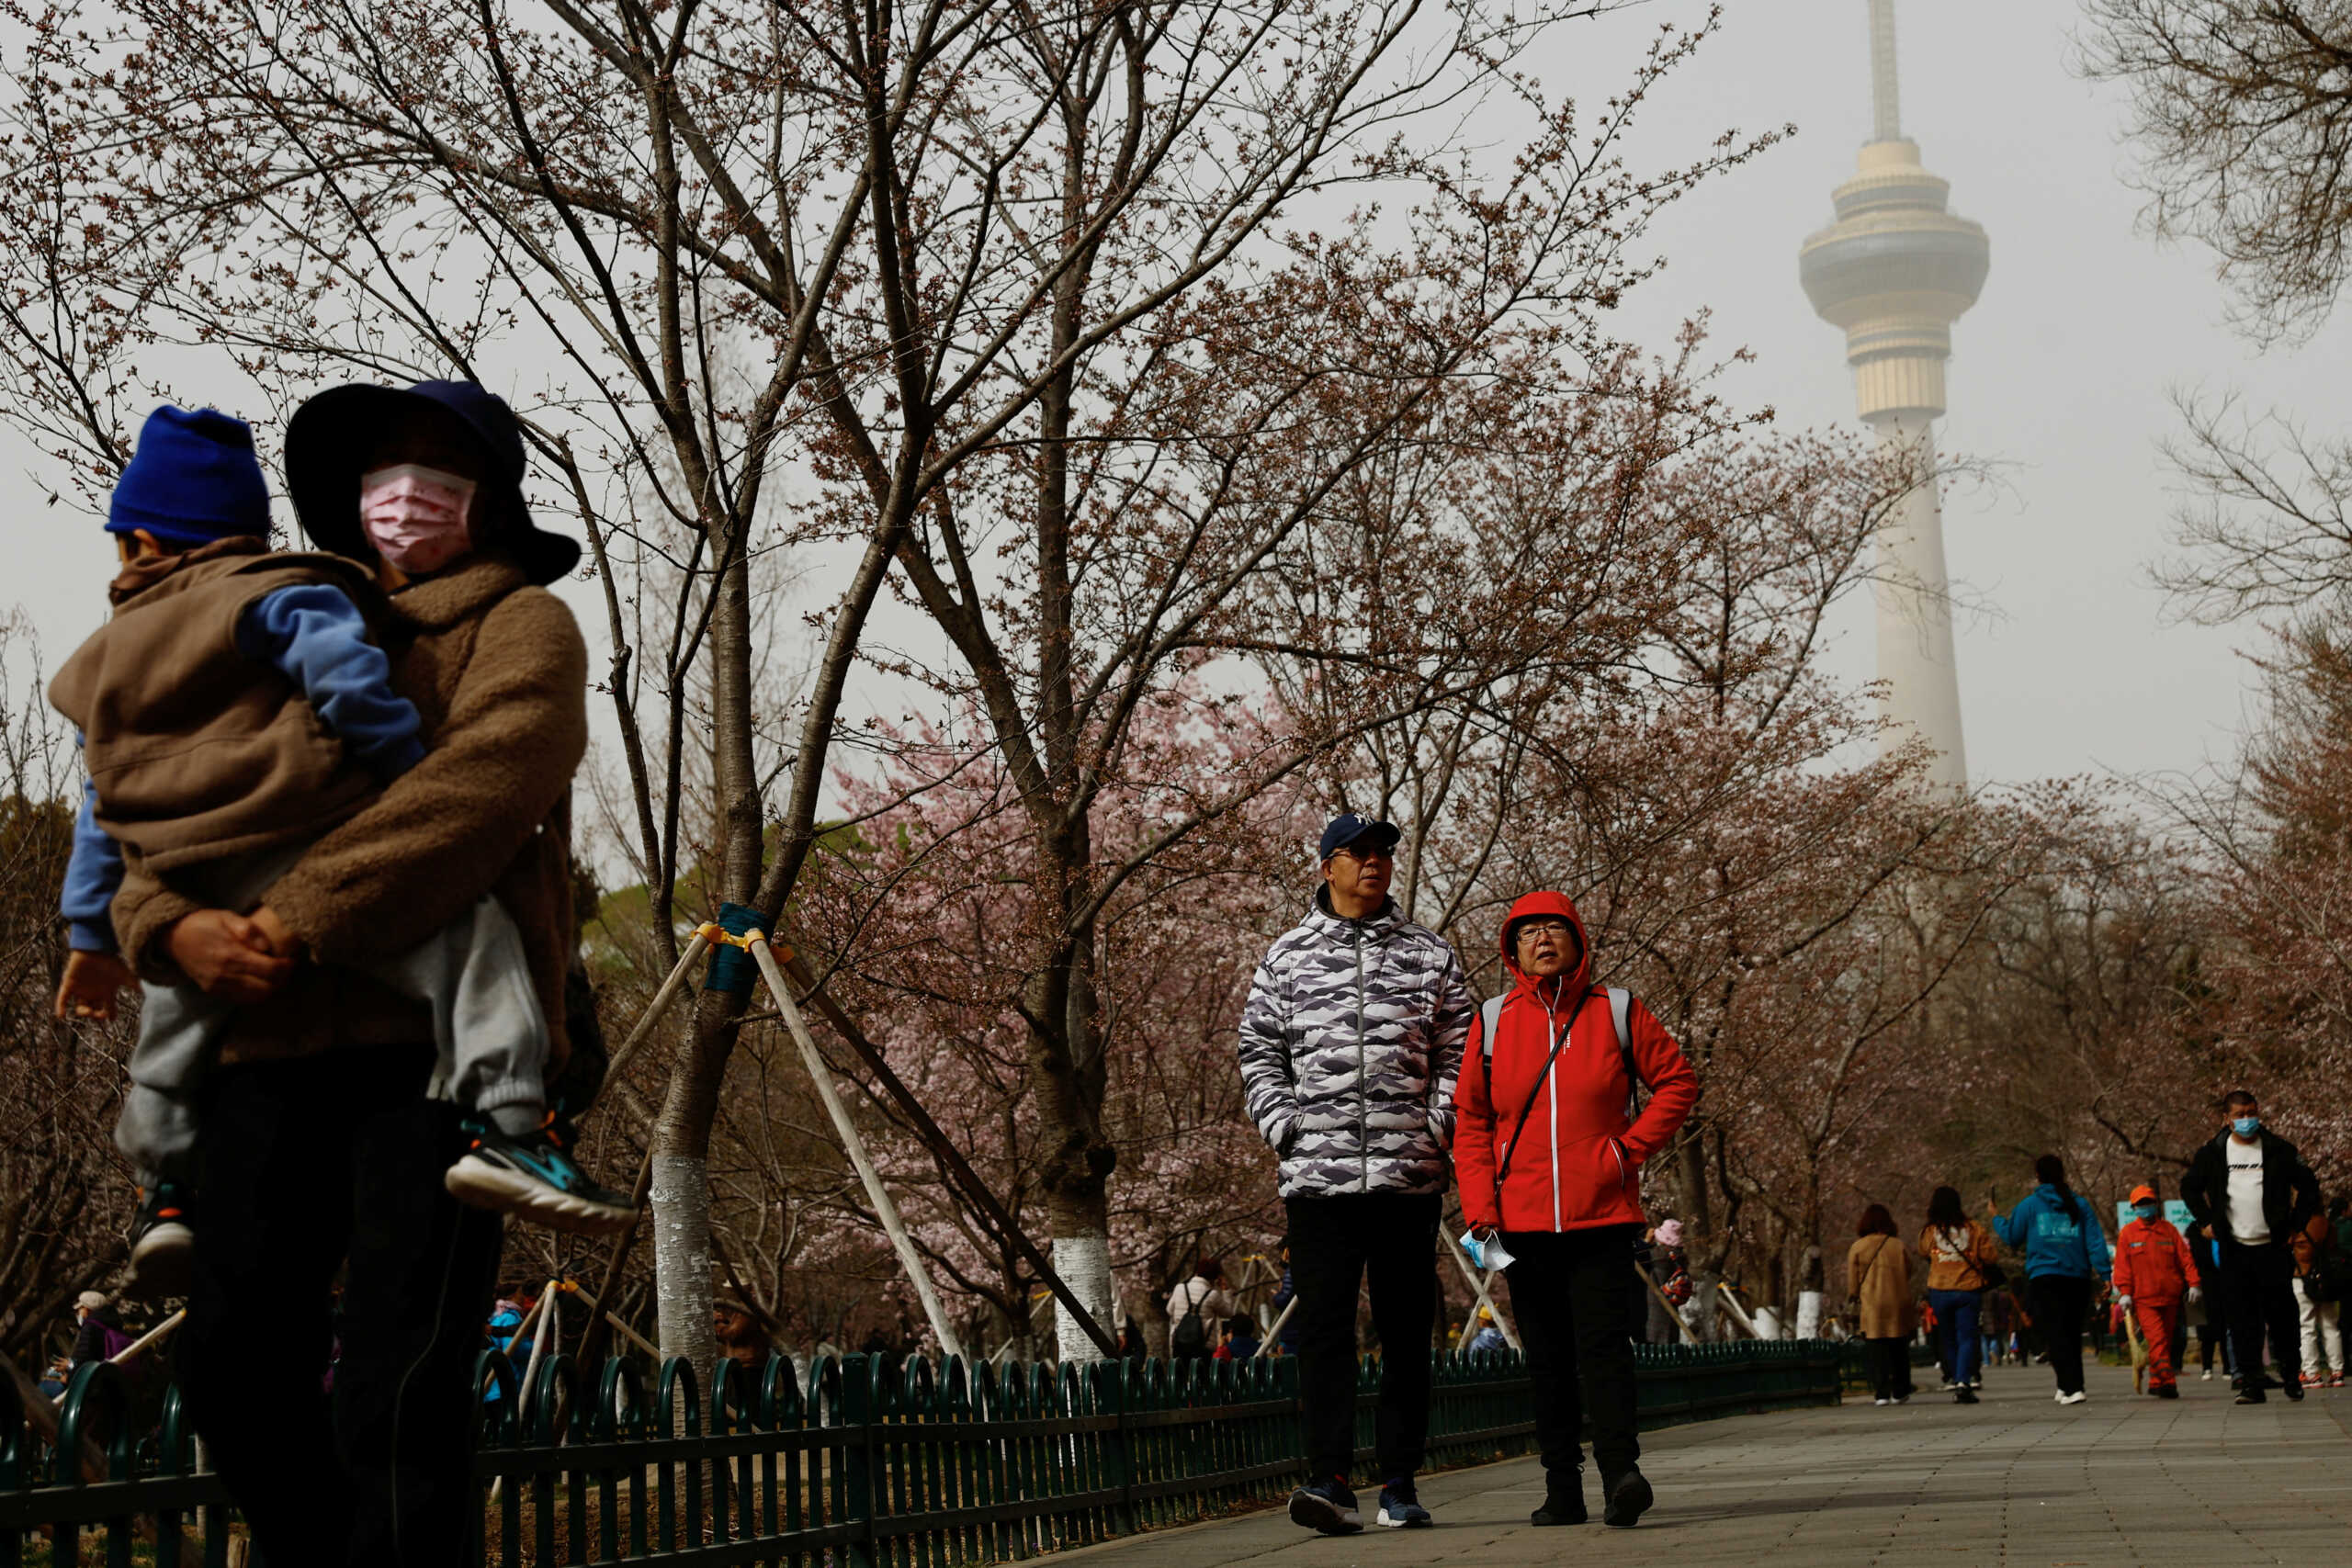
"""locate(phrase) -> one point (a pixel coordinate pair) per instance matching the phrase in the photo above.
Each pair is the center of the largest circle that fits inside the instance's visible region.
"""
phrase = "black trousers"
(1891, 1368)
(2058, 1304)
(305, 1165)
(2258, 1294)
(1389, 1239)
(1571, 1293)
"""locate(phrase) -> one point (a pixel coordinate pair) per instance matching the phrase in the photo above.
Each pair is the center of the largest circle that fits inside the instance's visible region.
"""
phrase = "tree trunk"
(681, 1186)
(1078, 1161)
(1082, 1257)
(681, 1191)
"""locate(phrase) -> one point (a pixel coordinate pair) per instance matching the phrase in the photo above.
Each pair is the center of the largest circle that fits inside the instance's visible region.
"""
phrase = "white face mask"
(416, 516)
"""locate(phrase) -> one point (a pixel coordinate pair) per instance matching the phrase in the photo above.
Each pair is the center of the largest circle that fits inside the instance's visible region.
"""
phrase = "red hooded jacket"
(1578, 1161)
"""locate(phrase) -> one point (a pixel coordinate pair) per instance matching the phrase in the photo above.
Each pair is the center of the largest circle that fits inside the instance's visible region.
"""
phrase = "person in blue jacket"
(2066, 1255)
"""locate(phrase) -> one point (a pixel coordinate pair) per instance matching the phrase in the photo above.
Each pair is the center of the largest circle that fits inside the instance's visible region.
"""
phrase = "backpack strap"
(1621, 1014)
(1621, 1017)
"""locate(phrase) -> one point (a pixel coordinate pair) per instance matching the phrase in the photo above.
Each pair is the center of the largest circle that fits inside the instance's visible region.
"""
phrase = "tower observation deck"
(1896, 270)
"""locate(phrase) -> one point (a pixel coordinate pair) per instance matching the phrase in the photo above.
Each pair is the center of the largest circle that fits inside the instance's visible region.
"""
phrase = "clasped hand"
(236, 958)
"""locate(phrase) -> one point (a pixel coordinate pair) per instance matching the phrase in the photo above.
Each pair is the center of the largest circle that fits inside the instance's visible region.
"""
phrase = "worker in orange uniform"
(2154, 1273)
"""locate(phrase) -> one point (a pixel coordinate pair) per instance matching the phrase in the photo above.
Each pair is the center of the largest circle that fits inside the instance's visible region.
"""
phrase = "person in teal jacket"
(2066, 1255)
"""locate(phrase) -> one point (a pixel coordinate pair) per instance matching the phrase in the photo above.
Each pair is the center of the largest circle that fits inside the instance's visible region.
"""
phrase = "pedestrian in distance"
(1350, 1044)
(1669, 1273)
(1550, 1160)
(1238, 1338)
(2205, 1314)
(326, 1132)
(2250, 1191)
(1286, 1338)
(2155, 1277)
(1878, 1295)
(1486, 1335)
(1999, 1314)
(2319, 1278)
(508, 1332)
(2066, 1257)
(98, 1333)
(1961, 1258)
(1196, 1312)
(743, 1341)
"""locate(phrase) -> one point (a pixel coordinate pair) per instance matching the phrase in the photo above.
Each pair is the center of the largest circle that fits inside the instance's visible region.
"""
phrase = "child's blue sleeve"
(317, 638)
(92, 871)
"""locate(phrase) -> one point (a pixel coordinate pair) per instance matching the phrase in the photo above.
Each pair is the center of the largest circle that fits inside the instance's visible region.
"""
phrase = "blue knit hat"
(194, 478)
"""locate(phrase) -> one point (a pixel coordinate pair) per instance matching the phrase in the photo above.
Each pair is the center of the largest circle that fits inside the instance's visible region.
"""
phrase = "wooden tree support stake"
(854, 1145)
(1485, 1296)
(952, 1163)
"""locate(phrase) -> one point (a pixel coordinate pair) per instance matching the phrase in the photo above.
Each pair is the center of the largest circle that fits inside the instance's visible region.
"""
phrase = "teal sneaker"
(162, 1242)
(532, 1178)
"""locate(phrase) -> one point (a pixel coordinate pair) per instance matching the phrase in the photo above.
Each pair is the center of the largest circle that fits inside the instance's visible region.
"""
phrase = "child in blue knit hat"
(233, 709)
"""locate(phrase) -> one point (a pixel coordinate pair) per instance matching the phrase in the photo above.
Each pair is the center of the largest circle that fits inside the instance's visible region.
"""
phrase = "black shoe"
(1563, 1500)
(2293, 1389)
(1965, 1396)
(1327, 1507)
(2165, 1391)
(533, 1178)
(1628, 1494)
(2251, 1396)
(162, 1242)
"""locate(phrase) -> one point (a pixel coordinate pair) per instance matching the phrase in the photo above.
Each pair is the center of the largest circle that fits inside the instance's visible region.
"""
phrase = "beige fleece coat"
(499, 675)
(1878, 1273)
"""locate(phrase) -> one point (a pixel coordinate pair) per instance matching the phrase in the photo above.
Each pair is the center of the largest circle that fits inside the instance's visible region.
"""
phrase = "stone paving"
(2015, 1479)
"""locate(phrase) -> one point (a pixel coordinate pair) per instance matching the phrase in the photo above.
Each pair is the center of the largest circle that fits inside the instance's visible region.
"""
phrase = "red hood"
(1548, 903)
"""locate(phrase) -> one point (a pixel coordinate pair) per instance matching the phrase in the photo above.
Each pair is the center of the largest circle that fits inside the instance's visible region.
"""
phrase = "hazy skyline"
(2059, 376)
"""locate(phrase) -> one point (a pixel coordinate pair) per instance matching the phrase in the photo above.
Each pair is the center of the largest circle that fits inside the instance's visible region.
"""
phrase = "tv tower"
(1896, 271)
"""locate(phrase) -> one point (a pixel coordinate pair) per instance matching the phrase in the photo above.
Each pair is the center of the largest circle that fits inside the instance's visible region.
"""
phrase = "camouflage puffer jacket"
(1349, 1050)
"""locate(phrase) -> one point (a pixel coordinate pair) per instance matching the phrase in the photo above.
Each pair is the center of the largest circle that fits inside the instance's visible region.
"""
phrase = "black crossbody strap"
(1503, 1168)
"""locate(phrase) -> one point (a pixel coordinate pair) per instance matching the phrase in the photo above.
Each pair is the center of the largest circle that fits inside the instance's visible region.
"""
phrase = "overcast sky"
(2059, 374)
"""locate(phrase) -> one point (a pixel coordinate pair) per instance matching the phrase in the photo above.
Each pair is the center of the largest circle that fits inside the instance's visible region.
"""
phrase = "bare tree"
(2267, 525)
(2243, 113)
(64, 1198)
(899, 254)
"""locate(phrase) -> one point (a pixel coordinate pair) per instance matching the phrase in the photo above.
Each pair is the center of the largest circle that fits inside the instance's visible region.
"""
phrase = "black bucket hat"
(332, 435)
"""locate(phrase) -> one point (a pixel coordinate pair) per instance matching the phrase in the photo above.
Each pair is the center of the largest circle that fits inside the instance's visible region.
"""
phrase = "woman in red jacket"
(1549, 1159)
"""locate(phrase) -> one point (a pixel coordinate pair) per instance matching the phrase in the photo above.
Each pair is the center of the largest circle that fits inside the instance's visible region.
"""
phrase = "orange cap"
(2143, 1190)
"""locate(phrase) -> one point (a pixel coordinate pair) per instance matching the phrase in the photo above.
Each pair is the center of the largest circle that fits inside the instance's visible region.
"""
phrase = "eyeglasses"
(1385, 852)
(1542, 927)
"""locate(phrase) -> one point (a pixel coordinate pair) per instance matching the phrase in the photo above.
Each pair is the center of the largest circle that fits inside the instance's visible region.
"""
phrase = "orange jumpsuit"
(2154, 1267)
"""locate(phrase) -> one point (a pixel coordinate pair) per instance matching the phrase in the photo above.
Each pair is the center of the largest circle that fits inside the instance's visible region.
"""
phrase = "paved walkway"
(2015, 1479)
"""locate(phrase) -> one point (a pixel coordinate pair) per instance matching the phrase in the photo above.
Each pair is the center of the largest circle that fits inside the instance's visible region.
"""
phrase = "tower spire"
(1896, 271)
(1886, 95)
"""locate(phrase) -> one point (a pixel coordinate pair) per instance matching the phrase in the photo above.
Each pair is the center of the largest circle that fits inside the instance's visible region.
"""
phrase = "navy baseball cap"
(1347, 828)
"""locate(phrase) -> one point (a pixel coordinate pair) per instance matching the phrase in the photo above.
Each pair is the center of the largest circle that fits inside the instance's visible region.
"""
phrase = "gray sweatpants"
(490, 1034)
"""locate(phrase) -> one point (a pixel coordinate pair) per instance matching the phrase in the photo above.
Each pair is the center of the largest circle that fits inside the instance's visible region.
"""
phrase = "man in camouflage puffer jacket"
(1350, 1045)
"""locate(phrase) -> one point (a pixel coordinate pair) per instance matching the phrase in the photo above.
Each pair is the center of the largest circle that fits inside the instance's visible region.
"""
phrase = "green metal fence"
(865, 1461)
